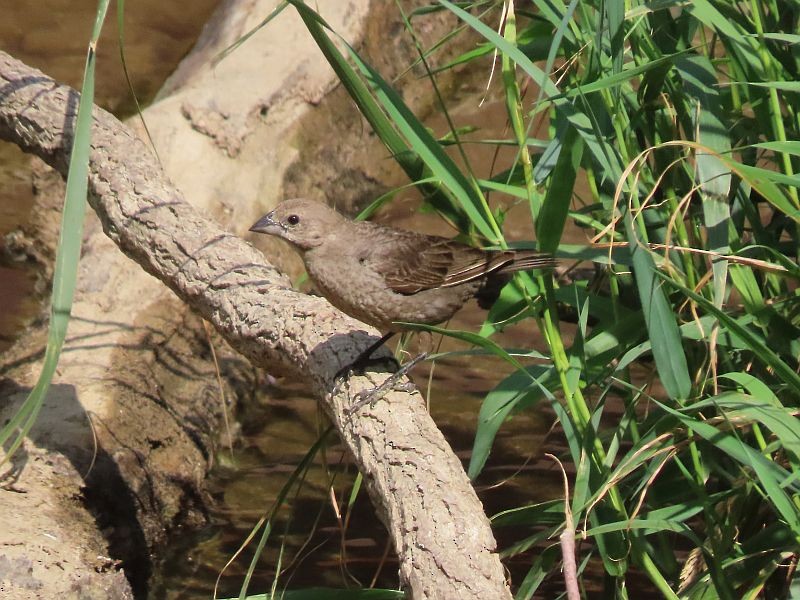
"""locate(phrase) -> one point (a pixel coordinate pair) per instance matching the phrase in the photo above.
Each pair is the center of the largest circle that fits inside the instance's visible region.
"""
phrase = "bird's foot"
(392, 384)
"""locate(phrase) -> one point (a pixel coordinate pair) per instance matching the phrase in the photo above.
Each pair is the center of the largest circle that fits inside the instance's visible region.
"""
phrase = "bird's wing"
(411, 262)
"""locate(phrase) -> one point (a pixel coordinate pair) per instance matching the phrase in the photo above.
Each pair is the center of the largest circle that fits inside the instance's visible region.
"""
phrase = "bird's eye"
(293, 219)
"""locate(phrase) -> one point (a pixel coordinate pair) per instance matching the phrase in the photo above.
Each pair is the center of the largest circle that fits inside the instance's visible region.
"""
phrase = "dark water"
(317, 550)
(18, 301)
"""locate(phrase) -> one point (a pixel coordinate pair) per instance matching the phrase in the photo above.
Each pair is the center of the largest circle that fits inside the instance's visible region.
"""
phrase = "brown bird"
(381, 275)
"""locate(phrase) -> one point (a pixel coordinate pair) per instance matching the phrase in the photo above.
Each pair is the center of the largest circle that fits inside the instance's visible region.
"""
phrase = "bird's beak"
(267, 224)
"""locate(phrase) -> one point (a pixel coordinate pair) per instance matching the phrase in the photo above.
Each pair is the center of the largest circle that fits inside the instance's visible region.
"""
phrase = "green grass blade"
(264, 22)
(610, 82)
(556, 205)
(513, 393)
(68, 251)
(771, 476)
(359, 92)
(760, 349)
(432, 153)
(297, 474)
(664, 334)
(790, 147)
(537, 74)
(427, 151)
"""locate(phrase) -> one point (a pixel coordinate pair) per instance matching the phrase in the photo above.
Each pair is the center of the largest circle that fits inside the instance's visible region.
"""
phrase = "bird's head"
(303, 223)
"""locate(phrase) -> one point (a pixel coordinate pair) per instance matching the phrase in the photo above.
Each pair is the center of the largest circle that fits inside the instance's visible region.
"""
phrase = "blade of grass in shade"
(615, 15)
(612, 81)
(551, 12)
(562, 31)
(553, 150)
(431, 152)
(745, 282)
(788, 147)
(550, 512)
(532, 40)
(128, 81)
(437, 45)
(613, 549)
(750, 408)
(770, 475)
(553, 215)
(760, 349)
(662, 328)
(764, 181)
(755, 386)
(539, 76)
(757, 62)
(515, 113)
(359, 92)
(470, 338)
(409, 160)
(606, 156)
(513, 393)
(744, 47)
(542, 566)
(785, 86)
(511, 306)
(582, 485)
(276, 11)
(549, 156)
(788, 38)
(68, 251)
(779, 260)
(525, 544)
(648, 526)
(697, 330)
(713, 175)
(376, 204)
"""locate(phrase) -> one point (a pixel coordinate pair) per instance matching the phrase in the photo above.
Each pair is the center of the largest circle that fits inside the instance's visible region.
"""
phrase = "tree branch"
(439, 530)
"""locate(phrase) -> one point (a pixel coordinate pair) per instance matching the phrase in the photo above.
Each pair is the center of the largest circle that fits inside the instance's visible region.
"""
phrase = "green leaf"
(761, 351)
(431, 153)
(665, 338)
(550, 512)
(538, 75)
(542, 566)
(790, 147)
(68, 251)
(786, 86)
(512, 393)
(553, 214)
(771, 476)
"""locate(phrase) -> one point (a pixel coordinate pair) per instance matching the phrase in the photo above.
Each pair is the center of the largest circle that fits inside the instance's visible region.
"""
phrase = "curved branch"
(440, 533)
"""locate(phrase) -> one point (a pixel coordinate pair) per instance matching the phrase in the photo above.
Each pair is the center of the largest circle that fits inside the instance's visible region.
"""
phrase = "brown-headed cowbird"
(382, 275)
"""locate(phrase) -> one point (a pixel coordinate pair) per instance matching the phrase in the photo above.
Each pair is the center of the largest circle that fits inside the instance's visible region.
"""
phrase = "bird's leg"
(364, 359)
(372, 396)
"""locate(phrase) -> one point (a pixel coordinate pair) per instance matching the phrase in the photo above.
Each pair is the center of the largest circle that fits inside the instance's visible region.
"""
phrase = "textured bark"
(441, 535)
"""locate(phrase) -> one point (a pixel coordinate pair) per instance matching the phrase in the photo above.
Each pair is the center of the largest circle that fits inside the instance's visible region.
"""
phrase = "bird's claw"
(391, 384)
(359, 366)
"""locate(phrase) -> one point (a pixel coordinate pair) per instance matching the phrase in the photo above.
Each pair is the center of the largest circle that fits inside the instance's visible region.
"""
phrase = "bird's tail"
(515, 260)
(525, 260)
